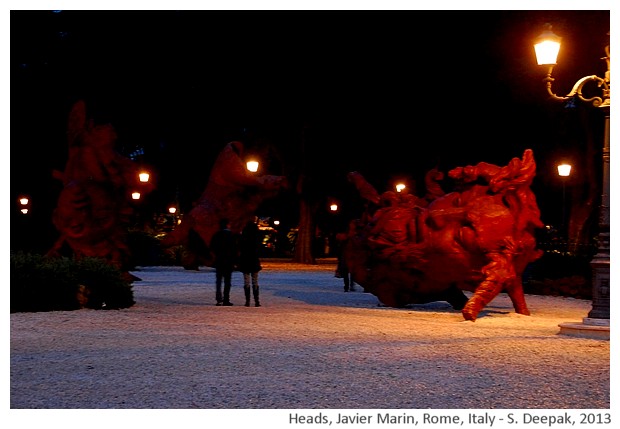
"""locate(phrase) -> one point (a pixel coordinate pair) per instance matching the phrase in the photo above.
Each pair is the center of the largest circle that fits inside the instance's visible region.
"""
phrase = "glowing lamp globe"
(547, 47)
(252, 166)
(564, 170)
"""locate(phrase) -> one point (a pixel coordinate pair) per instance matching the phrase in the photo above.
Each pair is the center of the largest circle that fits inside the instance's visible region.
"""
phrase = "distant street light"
(547, 47)
(400, 187)
(333, 207)
(135, 195)
(144, 177)
(564, 173)
(24, 204)
(564, 170)
(172, 210)
(252, 166)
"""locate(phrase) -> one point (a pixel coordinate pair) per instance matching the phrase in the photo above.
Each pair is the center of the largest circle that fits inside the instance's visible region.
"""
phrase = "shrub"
(146, 250)
(47, 284)
(559, 273)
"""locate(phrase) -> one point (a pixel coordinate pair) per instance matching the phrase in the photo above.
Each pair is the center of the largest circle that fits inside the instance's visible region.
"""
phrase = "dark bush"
(47, 284)
(146, 250)
(560, 273)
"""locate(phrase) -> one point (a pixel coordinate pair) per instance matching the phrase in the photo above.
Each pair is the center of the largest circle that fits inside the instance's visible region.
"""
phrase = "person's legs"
(255, 289)
(351, 282)
(246, 288)
(218, 287)
(227, 285)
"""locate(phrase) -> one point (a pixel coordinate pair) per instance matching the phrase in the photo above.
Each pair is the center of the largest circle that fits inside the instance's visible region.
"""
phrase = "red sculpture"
(408, 250)
(232, 192)
(94, 207)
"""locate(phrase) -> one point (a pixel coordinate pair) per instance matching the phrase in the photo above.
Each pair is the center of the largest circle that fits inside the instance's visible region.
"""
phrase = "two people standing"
(226, 247)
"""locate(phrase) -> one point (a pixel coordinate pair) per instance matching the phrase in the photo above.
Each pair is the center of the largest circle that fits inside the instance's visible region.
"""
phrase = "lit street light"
(564, 170)
(547, 47)
(144, 177)
(252, 166)
(400, 187)
(24, 204)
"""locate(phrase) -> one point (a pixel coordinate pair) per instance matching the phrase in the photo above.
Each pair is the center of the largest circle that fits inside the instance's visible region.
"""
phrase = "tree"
(307, 206)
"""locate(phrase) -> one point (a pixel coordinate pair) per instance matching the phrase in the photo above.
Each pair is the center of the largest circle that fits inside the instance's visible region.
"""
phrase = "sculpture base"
(597, 329)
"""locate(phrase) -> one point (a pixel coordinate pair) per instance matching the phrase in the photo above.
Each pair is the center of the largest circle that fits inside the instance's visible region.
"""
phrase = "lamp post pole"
(601, 261)
(564, 173)
(596, 325)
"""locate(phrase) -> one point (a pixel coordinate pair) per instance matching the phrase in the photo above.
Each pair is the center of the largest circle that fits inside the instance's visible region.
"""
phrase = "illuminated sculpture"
(232, 192)
(93, 208)
(408, 250)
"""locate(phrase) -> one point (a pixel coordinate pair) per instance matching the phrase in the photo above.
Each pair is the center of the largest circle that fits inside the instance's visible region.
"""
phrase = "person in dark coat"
(249, 262)
(342, 270)
(224, 248)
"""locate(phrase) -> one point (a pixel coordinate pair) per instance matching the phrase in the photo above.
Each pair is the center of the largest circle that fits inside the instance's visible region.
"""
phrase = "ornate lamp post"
(564, 173)
(547, 47)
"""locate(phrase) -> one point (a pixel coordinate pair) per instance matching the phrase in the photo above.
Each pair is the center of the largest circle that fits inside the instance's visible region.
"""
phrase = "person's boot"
(256, 300)
(227, 296)
(246, 288)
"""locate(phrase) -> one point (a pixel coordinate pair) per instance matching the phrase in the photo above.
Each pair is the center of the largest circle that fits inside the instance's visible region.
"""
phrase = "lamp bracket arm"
(577, 88)
(548, 80)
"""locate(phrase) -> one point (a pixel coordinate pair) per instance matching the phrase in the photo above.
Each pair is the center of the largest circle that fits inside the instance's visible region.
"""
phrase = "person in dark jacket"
(224, 248)
(249, 262)
(342, 270)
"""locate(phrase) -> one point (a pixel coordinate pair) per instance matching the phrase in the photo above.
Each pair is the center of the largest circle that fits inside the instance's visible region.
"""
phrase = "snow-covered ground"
(309, 346)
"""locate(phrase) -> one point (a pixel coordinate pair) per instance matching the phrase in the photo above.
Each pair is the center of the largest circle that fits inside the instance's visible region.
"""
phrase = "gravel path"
(309, 346)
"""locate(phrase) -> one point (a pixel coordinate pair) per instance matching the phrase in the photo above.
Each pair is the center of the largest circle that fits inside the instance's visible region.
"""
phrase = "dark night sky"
(384, 92)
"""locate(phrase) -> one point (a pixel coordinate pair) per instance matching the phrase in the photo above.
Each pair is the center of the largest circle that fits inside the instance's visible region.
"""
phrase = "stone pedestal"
(590, 328)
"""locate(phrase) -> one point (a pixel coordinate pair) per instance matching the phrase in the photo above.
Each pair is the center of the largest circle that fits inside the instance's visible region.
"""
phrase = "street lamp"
(547, 47)
(564, 173)
(24, 204)
(400, 187)
(252, 166)
(144, 177)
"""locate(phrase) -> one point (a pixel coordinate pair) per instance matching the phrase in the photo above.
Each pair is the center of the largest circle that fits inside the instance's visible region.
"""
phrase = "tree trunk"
(305, 235)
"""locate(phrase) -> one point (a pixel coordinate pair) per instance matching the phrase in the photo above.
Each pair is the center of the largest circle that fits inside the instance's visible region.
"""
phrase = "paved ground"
(310, 346)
